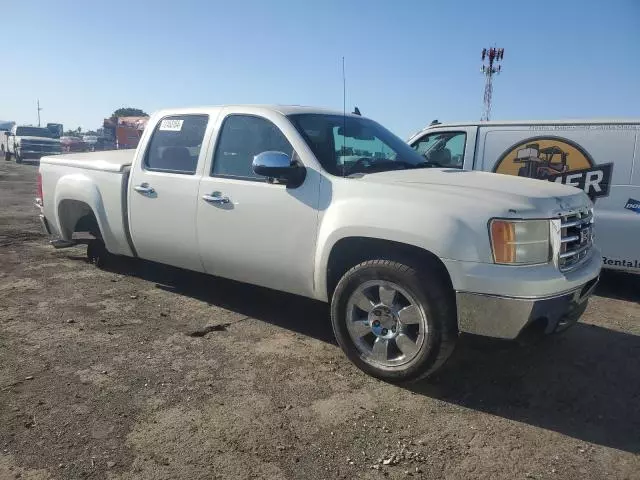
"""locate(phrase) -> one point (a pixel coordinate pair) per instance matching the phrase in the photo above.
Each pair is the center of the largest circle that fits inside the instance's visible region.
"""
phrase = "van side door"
(449, 147)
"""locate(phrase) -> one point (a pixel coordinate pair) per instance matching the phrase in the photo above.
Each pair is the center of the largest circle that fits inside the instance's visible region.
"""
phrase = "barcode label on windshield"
(171, 125)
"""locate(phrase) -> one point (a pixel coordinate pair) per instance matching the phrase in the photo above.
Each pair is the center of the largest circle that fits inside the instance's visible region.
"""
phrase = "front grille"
(576, 237)
(31, 147)
(40, 147)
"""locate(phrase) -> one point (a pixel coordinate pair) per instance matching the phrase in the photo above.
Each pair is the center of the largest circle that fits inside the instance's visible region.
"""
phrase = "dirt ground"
(150, 372)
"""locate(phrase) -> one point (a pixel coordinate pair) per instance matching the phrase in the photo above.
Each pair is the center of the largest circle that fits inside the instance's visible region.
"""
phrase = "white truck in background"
(336, 208)
(601, 157)
(23, 142)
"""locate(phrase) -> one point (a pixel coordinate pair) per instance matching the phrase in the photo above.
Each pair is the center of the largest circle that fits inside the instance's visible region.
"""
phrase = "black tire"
(433, 294)
(97, 253)
(7, 156)
(17, 157)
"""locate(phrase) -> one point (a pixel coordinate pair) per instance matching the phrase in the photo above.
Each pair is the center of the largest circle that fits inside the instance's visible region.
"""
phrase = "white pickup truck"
(24, 142)
(336, 208)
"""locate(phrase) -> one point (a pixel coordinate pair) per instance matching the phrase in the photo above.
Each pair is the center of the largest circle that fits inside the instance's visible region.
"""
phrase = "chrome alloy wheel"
(386, 323)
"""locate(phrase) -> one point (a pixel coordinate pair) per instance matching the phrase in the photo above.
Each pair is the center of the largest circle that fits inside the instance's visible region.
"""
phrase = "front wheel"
(17, 157)
(395, 322)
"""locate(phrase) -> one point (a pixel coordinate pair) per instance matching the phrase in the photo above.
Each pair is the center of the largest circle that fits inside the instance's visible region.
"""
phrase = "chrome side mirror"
(278, 166)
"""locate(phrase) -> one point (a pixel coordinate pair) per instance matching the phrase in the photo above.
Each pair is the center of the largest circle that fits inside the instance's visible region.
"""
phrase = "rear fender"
(75, 196)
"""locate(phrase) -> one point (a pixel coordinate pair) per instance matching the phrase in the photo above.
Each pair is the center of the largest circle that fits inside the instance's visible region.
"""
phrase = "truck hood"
(516, 194)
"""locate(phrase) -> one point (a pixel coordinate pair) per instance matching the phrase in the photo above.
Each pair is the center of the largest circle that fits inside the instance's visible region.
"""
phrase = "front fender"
(437, 230)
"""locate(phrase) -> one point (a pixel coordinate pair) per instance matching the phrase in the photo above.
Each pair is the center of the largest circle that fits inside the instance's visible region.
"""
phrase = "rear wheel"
(393, 321)
(97, 253)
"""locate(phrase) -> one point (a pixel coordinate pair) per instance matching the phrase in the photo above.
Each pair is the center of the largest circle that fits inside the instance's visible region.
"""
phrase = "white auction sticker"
(171, 125)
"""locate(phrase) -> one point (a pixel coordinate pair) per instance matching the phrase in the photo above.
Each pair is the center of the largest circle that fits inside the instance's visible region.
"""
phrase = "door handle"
(216, 197)
(144, 188)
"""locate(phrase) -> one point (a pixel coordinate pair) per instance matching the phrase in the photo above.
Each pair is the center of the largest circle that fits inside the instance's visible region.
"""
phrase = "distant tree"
(79, 130)
(129, 112)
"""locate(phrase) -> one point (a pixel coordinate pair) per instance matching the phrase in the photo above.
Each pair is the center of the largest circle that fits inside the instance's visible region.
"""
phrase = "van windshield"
(33, 132)
(347, 145)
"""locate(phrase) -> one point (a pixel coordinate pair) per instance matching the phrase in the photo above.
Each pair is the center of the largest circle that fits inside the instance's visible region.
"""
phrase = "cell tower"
(491, 57)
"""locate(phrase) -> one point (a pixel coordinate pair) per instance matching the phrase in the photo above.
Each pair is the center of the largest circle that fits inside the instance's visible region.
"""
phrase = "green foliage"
(129, 112)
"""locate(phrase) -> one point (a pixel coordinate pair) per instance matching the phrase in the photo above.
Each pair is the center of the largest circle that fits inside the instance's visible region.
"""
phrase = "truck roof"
(507, 123)
(283, 109)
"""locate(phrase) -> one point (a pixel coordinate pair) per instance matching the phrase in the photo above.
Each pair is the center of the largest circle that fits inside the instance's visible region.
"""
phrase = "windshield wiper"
(428, 164)
(375, 166)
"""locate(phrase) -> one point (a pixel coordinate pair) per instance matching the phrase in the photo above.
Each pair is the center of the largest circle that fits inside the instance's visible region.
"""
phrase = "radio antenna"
(39, 110)
(344, 117)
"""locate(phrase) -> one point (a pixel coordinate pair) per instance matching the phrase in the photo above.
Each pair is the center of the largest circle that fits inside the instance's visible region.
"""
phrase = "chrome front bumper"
(36, 155)
(506, 317)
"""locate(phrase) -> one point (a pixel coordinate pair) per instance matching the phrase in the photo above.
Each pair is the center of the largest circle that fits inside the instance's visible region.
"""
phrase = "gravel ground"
(143, 371)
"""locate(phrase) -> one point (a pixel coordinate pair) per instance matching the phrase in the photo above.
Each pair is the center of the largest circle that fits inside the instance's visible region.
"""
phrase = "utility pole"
(39, 109)
(491, 57)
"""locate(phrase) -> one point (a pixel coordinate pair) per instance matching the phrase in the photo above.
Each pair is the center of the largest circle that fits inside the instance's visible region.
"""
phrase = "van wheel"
(394, 321)
(97, 253)
(17, 157)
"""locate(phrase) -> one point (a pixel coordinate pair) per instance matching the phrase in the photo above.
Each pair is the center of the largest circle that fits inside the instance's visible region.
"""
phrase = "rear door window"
(175, 144)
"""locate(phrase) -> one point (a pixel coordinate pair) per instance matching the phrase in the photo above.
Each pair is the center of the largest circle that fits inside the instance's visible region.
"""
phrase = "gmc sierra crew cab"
(334, 207)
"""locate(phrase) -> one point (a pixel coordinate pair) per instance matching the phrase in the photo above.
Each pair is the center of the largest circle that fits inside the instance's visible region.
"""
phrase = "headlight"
(520, 242)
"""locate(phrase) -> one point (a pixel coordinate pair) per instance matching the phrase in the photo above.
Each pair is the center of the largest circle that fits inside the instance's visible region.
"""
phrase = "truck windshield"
(33, 132)
(347, 145)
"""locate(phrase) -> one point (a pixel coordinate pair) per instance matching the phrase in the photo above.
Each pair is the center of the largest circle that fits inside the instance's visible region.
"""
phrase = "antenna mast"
(39, 109)
(344, 116)
(344, 90)
(491, 58)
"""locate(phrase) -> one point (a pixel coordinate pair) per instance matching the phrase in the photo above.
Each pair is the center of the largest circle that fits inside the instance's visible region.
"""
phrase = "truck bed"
(111, 161)
(77, 185)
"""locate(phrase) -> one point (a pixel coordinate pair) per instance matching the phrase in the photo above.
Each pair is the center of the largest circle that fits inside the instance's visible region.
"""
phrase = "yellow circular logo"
(543, 158)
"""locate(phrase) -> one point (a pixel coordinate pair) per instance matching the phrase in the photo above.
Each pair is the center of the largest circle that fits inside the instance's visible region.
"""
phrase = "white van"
(601, 157)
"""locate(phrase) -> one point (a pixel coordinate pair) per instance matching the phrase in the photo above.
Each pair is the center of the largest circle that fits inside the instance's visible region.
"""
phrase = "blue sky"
(407, 62)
